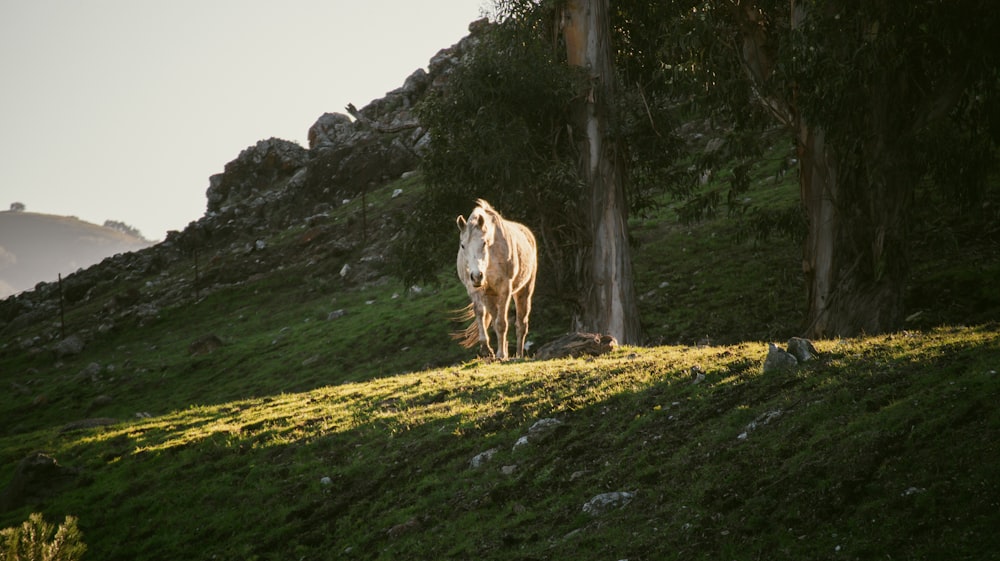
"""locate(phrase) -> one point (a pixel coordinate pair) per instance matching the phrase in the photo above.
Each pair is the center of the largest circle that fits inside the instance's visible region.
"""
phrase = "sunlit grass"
(308, 437)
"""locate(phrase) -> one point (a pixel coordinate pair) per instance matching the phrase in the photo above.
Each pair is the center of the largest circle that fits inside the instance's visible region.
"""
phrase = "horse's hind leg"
(522, 305)
(500, 325)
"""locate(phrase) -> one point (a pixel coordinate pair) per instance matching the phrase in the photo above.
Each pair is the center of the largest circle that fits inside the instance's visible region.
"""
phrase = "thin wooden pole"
(62, 310)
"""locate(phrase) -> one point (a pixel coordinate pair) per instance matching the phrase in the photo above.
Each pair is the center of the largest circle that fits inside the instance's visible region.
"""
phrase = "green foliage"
(123, 228)
(37, 540)
(504, 130)
(499, 133)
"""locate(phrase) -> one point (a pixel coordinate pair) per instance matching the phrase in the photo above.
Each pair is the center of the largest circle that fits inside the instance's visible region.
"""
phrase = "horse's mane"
(500, 221)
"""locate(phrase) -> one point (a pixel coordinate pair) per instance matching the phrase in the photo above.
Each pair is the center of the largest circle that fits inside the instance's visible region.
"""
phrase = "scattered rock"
(481, 458)
(543, 428)
(204, 345)
(778, 359)
(325, 481)
(70, 346)
(508, 470)
(87, 424)
(91, 372)
(577, 344)
(606, 502)
(336, 314)
(20, 388)
(406, 527)
(760, 421)
(540, 431)
(802, 349)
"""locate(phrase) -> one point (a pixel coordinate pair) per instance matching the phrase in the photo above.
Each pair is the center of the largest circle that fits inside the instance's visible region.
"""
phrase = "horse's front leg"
(500, 324)
(483, 319)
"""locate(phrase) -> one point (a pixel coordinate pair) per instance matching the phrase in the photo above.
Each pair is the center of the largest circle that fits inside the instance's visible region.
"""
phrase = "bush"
(34, 541)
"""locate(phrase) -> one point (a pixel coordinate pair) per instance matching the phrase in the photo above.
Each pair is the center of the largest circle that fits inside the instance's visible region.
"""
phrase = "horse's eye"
(462, 245)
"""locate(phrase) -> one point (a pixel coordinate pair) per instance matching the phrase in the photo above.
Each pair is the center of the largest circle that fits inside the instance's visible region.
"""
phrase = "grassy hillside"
(334, 418)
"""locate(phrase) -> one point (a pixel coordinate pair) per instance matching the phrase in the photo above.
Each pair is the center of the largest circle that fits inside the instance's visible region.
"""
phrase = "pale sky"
(122, 109)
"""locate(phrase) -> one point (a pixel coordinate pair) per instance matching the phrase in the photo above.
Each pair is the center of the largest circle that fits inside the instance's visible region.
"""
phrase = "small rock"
(760, 421)
(400, 529)
(508, 470)
(325, 481)
(70, 346)
(576, 345)
(778, 359)
(543, 428)
(802, 349)
(92, 372)
(605, 502)
(481, 458)
(336, 314)
(204, 345)
(88, 424)
(345, 270)
(396, 193)
(523, 441)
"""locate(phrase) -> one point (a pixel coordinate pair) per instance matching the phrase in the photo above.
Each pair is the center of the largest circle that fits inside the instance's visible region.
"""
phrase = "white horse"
(497, 261)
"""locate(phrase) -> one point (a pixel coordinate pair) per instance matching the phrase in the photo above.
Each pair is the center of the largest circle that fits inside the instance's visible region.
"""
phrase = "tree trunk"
(608, 303)
(855, 190)
(854, 256)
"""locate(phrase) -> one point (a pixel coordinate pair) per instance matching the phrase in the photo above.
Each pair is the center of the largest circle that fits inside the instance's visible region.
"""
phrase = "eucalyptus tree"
(536, 121)
(866, 89)
(609, 299)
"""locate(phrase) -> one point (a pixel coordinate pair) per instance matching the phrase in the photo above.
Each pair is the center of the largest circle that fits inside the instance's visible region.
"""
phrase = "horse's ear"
(460, 222)
(481, 222)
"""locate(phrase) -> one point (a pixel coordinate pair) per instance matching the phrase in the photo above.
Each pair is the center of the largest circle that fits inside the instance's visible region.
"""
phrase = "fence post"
(62, 310)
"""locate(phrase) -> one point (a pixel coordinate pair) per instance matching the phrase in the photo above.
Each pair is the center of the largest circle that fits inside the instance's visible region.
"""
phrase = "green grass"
(308, 437)
(867, 449)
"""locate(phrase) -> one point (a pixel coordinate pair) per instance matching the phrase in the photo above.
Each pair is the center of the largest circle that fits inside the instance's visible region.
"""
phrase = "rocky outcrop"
(259, 170)
(268, 187)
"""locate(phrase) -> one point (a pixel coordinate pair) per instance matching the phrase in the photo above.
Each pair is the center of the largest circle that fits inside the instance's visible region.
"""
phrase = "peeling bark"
(609, 303)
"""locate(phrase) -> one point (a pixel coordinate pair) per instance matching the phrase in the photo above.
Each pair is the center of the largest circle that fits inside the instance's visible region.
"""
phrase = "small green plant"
(34, 541)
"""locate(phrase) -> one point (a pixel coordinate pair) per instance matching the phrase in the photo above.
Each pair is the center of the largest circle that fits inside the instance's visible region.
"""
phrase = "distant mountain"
(38, 247)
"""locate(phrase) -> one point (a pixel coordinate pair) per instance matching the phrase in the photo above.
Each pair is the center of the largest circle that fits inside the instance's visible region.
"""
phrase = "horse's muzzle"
(477, 279)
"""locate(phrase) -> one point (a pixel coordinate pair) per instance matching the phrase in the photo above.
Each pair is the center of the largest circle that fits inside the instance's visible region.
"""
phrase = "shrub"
(34, 541)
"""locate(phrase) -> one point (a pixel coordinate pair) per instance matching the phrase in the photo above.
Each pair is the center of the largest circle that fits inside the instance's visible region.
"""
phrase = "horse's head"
(476, 236)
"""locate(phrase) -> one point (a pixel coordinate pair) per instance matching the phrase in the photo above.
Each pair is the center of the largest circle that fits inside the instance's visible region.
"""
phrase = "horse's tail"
(468, 337)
